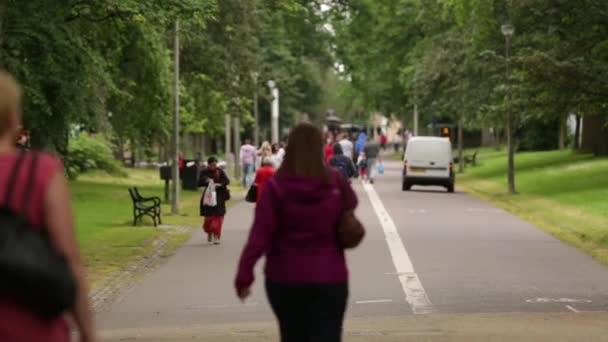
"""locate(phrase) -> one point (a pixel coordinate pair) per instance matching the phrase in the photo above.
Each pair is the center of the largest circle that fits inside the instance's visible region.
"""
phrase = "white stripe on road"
(571, 308)
(412, 287)
(373, 301)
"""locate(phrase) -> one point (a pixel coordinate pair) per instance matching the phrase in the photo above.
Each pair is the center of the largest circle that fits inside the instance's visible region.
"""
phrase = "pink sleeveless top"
(17, 324)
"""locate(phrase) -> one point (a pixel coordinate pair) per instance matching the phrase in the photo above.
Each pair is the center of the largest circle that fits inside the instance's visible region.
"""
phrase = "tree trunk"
(460, 146)
(561, 144)
(595, 135)
(577, 133)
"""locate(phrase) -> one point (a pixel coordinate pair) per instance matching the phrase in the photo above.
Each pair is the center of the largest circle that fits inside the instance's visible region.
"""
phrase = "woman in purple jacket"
(295, 228)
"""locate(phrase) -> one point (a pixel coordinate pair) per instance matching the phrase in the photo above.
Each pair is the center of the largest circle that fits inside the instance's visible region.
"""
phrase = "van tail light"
(451, 166)
(405, 164)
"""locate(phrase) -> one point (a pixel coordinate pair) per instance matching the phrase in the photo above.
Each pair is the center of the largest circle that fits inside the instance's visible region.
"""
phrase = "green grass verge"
(103, 214)
(562, 192)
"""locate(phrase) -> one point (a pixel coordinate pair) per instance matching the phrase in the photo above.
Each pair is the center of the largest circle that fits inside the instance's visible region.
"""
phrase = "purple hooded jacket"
(295, 227)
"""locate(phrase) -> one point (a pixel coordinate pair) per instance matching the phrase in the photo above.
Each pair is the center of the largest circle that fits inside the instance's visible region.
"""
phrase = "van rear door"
(429, 158)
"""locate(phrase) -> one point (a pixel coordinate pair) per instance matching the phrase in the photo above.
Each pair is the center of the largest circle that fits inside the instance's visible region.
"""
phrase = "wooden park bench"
(145, 206)
(471, 159)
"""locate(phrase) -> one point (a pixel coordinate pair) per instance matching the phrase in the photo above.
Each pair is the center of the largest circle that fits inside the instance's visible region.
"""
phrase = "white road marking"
(415, 294)
(571, 308)
(221, 306)
(557, 300)
(373, 301)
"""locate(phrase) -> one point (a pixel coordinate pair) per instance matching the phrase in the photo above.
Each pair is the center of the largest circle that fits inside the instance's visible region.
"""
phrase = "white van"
(428, 161)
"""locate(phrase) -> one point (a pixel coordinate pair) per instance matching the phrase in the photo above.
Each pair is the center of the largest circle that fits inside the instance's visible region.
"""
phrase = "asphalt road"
(427, 254)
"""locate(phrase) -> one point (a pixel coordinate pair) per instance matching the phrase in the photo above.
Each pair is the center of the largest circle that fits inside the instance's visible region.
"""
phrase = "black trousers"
(309, 312)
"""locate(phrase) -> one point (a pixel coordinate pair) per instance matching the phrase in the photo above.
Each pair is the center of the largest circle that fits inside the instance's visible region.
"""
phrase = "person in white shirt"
(278, 154)
(347, 146)
(248, 156)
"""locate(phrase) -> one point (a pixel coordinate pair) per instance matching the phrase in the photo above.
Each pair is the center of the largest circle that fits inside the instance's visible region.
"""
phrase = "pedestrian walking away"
(296, 228)
(264, 152)
(342, 163)
(329, 147)
(348, 149)
(372, 152)
(362, 167)
(360, 143)
(263, 175)
(33, 187)
(247, 156)
(278, 154)
(214, 179)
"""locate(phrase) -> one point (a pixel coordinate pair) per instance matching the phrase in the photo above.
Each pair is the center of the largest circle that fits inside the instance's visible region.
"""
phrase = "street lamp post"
(175, 142)
(275, 110)
(256, 113)
(508, 31)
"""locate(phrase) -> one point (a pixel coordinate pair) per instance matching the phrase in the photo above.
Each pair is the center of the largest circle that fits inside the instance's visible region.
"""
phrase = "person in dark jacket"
(342, 163)
(214, 216)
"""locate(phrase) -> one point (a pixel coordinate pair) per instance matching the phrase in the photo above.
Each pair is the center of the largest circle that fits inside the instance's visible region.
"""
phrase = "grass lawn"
(103, 212)
(563, 192)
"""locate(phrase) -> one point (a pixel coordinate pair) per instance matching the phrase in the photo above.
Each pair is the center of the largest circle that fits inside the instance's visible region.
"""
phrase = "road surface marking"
(221, 306)
(415, 294)
(557, 300)
(373, 301)
(571, 308)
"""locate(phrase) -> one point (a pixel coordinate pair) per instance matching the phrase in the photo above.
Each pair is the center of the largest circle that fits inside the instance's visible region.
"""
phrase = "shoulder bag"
(350, 230)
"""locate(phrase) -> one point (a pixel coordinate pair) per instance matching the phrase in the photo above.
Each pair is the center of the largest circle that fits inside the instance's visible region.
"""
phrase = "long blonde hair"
(10, 100)
(266, 149)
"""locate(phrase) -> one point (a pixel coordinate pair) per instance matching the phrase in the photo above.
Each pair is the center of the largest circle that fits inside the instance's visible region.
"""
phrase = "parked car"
(428, 161)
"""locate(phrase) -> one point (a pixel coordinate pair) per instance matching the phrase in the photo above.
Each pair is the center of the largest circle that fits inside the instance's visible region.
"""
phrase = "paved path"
(450, 253)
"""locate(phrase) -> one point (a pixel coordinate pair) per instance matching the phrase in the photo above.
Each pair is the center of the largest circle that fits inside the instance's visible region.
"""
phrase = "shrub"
(90, 153)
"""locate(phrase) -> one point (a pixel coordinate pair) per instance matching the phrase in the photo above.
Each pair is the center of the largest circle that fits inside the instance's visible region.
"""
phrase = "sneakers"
(209, 238)
(216, 240)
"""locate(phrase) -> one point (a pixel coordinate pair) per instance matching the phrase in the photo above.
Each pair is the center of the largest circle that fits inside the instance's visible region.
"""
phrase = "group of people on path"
(364, 155)
(253, 159)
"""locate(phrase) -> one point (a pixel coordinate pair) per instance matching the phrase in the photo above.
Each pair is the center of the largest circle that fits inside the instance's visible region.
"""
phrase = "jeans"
(309, 312)
(247, 175)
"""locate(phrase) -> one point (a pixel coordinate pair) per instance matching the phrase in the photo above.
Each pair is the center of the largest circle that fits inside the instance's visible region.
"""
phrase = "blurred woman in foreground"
(48, 210)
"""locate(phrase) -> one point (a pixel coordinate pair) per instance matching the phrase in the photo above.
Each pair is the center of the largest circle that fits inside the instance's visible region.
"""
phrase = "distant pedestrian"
(347, 147)
(47, 211)
(342, 163)
(279, 155)
(296, 228)
(329, 147)
(247, 156)
(214, 179)
(360, 143)
(372, 152)
(362, 166)
(383, 141)
(264, 152)
(181, 165)
(262, 176)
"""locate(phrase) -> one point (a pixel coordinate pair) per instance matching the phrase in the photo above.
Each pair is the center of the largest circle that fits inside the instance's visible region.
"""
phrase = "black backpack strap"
(12, 180)
(30, 182)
